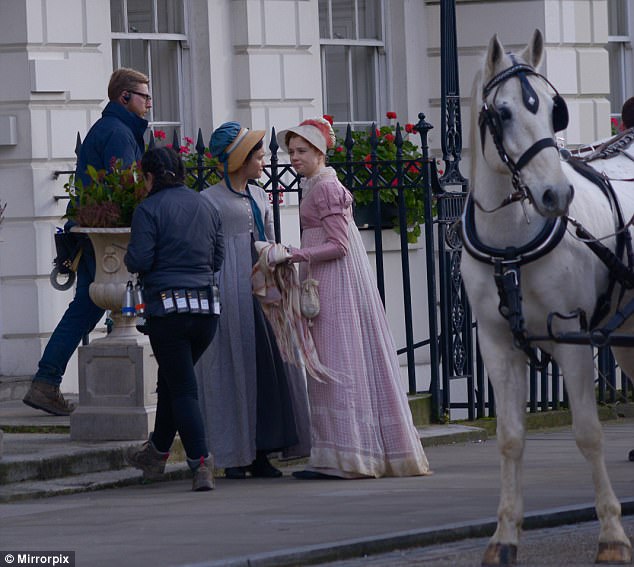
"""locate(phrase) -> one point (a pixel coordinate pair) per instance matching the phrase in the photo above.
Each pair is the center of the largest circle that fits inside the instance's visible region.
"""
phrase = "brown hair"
(125, 79)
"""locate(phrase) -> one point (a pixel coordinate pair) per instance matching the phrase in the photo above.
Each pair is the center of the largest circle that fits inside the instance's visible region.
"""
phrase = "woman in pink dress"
(361, 424)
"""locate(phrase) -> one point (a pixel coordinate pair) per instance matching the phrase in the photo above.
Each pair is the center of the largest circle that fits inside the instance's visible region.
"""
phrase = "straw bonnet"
(231, 144)
(317, 131)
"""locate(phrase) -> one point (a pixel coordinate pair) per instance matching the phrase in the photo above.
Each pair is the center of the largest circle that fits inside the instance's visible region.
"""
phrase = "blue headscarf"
(220, 140)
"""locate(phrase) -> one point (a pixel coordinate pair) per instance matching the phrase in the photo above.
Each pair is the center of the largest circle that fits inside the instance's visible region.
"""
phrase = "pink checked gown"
(361, 425)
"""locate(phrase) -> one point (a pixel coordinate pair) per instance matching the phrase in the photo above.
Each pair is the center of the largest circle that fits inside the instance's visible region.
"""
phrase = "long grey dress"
(228, 374)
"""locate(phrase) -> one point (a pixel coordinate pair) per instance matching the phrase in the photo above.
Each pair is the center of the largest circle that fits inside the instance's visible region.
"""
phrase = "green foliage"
(109, 199)
(381, 173)
(201, 169)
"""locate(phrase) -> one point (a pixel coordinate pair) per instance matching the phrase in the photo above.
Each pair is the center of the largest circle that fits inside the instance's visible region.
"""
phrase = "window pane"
(350, 96)
(343, 24)
(117, 21)
(337, 83)
(165, 81)
(617, 14)
(616, 96)
(170, 16)
(132, 54)
(363, 83)
(324, 20)
(140, 16)
(369, 19)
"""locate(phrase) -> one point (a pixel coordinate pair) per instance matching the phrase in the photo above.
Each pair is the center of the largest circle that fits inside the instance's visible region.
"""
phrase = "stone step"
(13, 387)
(83, 482)
(420, 405)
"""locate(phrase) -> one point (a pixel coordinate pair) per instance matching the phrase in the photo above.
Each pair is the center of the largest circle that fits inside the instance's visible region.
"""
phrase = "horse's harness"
(508, 261)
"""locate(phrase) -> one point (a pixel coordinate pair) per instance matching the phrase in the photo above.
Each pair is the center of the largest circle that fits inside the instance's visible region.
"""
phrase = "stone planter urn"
(117, 373)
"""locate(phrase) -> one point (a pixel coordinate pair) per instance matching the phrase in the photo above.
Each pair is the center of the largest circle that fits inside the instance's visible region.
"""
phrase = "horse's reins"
(507, 261)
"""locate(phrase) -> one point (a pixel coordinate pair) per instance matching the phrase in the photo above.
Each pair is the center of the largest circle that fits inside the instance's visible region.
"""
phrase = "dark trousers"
(178, 341)
(79, 319)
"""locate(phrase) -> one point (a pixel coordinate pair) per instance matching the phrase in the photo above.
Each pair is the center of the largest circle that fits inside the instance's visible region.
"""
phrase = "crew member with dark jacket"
(118, 134)
(176, 246)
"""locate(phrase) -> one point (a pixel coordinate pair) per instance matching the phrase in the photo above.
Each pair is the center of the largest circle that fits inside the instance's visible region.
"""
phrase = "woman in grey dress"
(253, 404)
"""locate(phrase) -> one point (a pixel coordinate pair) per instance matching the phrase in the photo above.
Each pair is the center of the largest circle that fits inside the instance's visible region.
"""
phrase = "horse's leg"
(578, 370)
(506, 367)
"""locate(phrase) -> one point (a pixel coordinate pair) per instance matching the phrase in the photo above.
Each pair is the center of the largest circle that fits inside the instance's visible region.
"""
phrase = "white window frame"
(181, 41)
(379, 63)
(622, 44)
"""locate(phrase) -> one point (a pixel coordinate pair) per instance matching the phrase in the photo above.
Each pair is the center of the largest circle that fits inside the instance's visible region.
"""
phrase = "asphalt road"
(564, 546)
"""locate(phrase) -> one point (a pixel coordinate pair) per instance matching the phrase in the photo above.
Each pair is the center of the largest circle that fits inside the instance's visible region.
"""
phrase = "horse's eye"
(505, 114)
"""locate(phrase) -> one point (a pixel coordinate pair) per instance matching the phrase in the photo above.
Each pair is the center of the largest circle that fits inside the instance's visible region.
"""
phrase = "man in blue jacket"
(118, 134)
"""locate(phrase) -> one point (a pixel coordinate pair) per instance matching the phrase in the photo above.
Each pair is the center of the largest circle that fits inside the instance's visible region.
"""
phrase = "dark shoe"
(148, 459)
(203, 476)
(48, 398)
(236, 473)
(262, 468)
(314, 475)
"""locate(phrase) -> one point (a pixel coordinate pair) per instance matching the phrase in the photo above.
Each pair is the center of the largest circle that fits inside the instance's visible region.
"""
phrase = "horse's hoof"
(497, 554)
(614, 552)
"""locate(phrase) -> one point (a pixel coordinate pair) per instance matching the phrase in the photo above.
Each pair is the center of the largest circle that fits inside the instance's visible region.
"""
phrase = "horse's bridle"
(489, 118)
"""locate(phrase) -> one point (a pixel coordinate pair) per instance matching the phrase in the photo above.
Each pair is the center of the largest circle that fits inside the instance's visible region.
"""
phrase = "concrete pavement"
(285, 521)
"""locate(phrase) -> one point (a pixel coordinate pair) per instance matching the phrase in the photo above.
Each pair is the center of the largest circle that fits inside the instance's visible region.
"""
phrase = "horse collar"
(542, 244)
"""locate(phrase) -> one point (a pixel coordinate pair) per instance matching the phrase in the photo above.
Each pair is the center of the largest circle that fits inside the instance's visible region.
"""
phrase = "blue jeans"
(178, 341)
(79, 319)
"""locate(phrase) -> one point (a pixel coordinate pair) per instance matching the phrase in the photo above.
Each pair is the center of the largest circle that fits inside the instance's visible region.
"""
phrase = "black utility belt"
(186, 301)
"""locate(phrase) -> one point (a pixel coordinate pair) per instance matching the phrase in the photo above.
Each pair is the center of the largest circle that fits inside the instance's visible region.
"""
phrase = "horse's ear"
(495, 53)
(534, 51)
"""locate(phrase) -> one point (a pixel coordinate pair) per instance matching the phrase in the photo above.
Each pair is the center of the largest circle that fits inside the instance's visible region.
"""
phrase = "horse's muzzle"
(555, 201)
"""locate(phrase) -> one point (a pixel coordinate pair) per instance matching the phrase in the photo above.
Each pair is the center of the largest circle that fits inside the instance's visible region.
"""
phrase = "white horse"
(524, 195)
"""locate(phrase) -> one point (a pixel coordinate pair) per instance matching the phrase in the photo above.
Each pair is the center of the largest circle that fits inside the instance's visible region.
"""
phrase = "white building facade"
(264, 63)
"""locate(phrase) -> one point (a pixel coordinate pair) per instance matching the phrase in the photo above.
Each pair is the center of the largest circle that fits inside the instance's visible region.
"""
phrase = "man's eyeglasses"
(147, 97)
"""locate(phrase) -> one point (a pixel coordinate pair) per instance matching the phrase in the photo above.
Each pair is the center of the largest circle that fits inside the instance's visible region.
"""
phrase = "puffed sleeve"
(331, 200)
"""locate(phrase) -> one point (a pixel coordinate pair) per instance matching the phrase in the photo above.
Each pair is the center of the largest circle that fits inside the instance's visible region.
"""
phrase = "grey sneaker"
(47, 397)
(203, 476)
(149, 459)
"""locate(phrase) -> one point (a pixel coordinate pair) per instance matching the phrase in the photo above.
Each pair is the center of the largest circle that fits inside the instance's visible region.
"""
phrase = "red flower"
(169, 145)
(410, 128)
(330, 118)
(391, 115)
(339, 149)
(367, 158)
(159, 134)
(378, 133)
(389, 138)
(208, 155)
(184, 150)
(189, 141)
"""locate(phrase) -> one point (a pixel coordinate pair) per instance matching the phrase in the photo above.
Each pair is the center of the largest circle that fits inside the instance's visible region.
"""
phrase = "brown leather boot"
(148, 459)
(48, 398)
